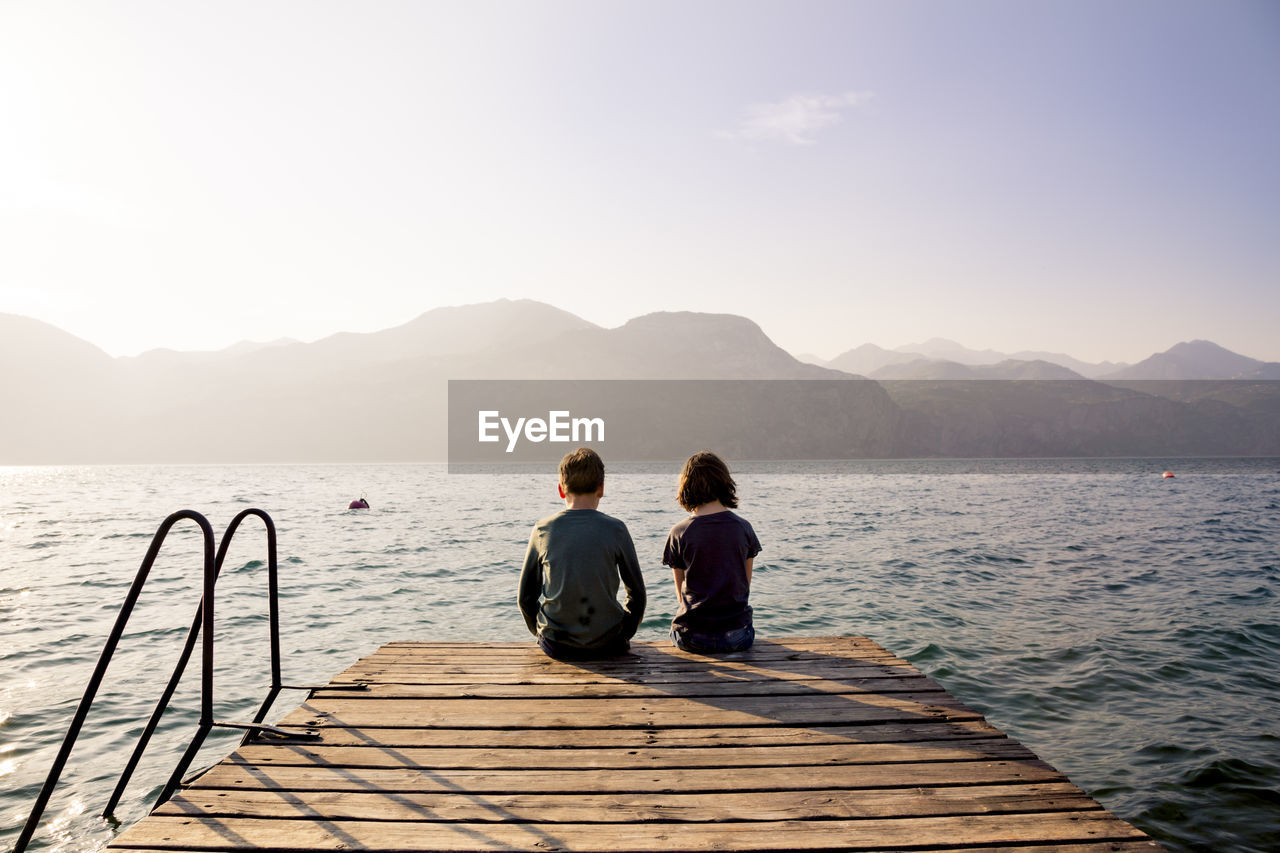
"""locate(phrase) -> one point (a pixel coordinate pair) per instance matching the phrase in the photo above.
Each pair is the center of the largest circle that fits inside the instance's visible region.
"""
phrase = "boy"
(574, 563)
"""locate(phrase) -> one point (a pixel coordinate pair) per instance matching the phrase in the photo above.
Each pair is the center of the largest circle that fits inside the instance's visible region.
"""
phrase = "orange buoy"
(1168, 475)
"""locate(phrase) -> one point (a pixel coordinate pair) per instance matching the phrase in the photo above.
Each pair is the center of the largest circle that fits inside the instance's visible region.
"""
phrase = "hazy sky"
(1098, 178)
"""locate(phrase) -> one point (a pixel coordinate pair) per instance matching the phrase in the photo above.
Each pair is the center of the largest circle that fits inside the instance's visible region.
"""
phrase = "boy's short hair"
(706, 478)
(582, 471)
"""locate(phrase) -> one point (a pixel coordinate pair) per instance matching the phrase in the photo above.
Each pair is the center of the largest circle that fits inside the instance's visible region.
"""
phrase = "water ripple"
(1126, 633)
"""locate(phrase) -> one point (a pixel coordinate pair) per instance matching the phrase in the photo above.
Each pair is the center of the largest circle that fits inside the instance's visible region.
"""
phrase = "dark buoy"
(359, 503)
(1168, 475)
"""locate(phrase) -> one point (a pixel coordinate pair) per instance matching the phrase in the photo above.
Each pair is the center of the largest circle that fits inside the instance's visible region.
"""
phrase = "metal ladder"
(201, 628)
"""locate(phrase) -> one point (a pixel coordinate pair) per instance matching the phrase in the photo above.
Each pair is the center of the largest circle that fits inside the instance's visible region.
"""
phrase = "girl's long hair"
(706, 478)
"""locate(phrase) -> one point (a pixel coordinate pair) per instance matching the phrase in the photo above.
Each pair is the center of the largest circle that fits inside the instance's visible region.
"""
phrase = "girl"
(710, 553)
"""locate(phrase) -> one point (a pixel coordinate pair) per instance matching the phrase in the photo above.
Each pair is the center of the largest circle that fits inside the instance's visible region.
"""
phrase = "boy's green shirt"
(569, 583)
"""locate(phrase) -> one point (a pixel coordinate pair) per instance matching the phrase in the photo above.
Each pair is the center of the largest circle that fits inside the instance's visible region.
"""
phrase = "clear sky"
(1096, 177)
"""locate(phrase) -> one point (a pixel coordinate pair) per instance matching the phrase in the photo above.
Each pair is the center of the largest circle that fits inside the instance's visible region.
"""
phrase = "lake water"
(1123, 626)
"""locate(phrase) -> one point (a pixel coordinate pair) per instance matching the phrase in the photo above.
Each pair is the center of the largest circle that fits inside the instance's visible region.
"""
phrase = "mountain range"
(382, 396)
(939, 358)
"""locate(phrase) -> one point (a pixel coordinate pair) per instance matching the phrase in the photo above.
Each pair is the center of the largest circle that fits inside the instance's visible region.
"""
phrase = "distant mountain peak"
(699, 345)
(932, 343)
(871, 348)
(1199, 345)
(949, 350)
(937, 344)
(1009, 368)
(241, 347)
(530, 310)
(693, 319)
(868, 358)
(19, 334)
(1199, 359)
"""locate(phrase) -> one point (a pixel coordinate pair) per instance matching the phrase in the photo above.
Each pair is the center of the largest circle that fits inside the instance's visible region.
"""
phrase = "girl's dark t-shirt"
(713, 551)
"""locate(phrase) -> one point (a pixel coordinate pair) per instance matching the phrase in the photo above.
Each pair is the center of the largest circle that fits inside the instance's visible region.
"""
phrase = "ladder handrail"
(202, 627)
(104, 659)
(195, 631)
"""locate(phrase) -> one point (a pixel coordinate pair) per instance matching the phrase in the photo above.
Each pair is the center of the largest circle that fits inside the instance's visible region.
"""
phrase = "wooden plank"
(634, 808)
(454, 674)
(486, 689)
(625, 666)
(639, 656)
(534, 657)
(638, 713)
(819, 639)
(1144, 846)
(1147, 846)
(795, 778)
(303, 755)
(643, 658)
(761, 646)
(668, 737)
(637, 651)
(870, 834)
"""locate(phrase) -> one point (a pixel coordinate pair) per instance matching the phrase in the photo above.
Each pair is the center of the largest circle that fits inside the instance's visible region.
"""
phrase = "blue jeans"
(730, 641)
(561, 651)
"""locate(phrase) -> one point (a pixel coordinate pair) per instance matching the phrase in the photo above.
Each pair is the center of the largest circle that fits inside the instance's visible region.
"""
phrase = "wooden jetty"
(797, 744)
